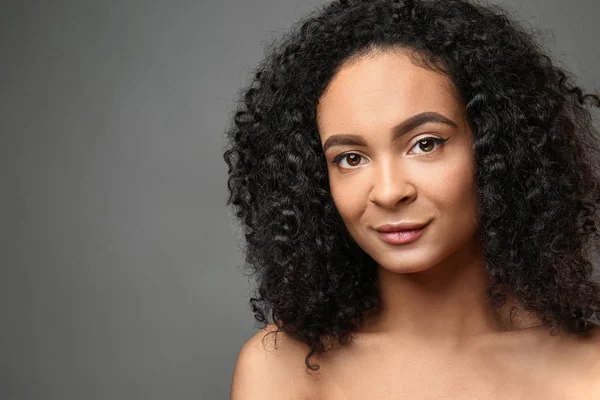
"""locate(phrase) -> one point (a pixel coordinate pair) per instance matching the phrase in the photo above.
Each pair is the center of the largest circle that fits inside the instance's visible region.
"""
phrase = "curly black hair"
(536, 152)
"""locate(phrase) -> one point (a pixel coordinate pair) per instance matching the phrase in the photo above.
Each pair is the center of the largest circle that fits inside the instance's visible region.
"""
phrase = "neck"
(445, 305)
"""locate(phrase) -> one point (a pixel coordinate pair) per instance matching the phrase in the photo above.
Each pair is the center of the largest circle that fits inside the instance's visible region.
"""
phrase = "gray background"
(120, 274)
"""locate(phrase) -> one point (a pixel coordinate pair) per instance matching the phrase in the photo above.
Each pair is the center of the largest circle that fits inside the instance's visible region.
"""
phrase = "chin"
(404, 267)
(410, 260)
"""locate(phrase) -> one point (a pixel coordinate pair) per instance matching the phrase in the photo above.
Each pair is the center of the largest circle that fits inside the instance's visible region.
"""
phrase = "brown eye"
(428, 144)
(352, 159)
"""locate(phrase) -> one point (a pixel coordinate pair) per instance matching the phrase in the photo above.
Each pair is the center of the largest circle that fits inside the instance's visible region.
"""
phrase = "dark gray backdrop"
(120, 275)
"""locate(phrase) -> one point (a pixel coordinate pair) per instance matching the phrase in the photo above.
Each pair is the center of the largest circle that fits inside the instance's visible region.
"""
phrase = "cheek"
(349, 196)
(456, 192)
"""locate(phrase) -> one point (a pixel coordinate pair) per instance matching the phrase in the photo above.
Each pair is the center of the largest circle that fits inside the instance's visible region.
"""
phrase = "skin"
(433, 289)
(436, 337)
(434, 308)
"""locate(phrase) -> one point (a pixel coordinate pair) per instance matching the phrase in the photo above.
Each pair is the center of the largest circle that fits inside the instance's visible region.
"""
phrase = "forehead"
(382, 87)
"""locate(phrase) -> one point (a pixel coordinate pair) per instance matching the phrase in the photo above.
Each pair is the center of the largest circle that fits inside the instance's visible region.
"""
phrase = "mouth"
(392, 234)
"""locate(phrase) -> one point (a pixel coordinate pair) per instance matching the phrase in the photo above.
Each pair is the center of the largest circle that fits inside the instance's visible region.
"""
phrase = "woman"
(417, 182)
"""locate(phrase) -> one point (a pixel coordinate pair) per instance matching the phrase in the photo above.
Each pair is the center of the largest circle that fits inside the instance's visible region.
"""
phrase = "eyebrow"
(399, 130)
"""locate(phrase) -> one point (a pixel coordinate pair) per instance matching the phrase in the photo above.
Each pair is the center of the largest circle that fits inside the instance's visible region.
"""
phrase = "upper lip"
(400, 226)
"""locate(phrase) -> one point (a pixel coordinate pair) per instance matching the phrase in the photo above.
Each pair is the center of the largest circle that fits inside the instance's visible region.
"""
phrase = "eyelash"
(436, 140)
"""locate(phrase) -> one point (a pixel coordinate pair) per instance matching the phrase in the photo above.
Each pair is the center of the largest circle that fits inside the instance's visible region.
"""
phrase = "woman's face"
(385, 169)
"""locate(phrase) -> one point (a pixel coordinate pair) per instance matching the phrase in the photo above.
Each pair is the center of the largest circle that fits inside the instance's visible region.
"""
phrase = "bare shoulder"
(271, 366)
(578, 356)
(590, 354)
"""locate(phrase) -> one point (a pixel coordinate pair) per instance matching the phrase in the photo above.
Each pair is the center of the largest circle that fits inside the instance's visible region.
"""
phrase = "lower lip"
(401, 237)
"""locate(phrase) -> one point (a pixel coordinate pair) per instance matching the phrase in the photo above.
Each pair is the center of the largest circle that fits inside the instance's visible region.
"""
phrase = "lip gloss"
(401, 237)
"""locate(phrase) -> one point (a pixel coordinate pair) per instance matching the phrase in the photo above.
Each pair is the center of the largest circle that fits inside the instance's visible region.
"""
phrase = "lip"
(401, 226)
(401, 237)
(401, 233)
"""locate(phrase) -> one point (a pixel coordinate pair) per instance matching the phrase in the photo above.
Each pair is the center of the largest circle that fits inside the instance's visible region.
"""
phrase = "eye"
(429, 142)
(426, 143)
(353, 157)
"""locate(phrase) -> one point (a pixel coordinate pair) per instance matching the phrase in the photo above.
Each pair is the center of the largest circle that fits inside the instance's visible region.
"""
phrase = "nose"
(392, 184)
